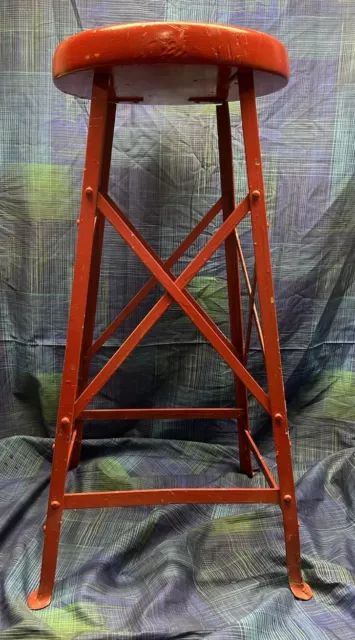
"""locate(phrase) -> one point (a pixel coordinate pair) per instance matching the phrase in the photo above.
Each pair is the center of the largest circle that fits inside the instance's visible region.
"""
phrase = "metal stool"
(171, 63)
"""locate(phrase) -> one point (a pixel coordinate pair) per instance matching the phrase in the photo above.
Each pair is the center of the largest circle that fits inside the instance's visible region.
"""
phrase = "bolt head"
(44, 527)
(278, 417)
(256, 194)
(89, 191)
(55, 504)
(65, 422)
(287, 498)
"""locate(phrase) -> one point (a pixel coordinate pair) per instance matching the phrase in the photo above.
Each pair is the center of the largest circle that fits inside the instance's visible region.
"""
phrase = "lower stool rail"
(99, 499)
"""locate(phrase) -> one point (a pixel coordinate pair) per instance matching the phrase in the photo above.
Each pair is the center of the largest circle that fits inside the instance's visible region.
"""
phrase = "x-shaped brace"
(175, 290)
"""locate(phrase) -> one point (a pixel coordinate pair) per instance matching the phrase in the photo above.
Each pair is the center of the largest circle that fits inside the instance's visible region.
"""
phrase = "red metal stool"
(174, 63)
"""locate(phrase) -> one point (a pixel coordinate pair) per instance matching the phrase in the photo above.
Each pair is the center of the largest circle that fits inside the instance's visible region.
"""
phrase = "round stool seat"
(170, 63)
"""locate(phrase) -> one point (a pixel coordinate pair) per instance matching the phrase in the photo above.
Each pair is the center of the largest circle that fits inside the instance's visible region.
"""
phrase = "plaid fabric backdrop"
(198, 571)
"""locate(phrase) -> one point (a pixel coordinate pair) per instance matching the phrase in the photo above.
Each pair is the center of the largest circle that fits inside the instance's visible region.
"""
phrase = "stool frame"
(77, 391)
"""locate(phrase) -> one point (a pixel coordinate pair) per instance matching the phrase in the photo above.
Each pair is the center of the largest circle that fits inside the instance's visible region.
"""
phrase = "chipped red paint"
(170, 63)
(89, 64)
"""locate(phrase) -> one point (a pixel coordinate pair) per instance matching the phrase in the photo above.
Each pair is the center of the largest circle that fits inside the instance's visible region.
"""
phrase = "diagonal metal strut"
(250, 292)
(152, 282)
(175, 292)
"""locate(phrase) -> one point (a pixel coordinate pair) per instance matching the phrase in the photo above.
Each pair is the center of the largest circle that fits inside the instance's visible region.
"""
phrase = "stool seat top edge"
(170, 62)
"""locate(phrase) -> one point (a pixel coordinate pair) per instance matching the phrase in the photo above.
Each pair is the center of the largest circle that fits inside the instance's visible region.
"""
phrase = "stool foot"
(36, 601)
(301, 591)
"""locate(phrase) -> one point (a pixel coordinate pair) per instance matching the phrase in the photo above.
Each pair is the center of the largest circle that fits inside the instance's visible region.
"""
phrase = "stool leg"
(233, 279)
(73, 353)
(270, 331)
(90, 313)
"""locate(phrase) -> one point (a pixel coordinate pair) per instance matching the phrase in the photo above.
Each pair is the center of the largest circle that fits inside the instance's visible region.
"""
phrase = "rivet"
(256, 194)
(298, 522)
(287, 498)
(278, 417)
(89, 191)
(44, 527)
(65, 422)
(55, 504)
(78, 221)
(53, 446)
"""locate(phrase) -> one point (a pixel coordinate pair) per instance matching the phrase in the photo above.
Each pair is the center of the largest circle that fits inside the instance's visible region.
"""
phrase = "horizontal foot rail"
(99, 499)
(155, 414)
